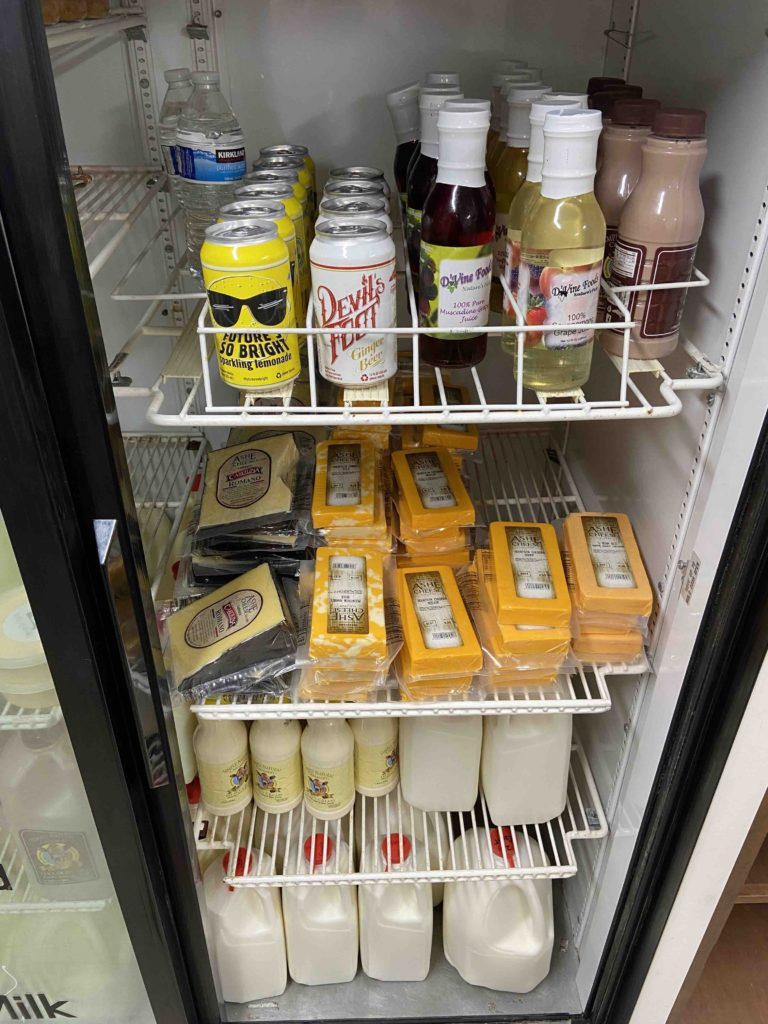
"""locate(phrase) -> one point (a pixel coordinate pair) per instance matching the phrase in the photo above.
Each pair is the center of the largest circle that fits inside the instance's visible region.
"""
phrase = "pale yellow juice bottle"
(561, 254)
(528, 193)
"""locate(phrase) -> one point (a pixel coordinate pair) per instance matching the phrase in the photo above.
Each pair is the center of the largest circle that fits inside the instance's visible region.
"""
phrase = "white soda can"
(360, 174)
(354, 208)
(353, 287)
(350, 188)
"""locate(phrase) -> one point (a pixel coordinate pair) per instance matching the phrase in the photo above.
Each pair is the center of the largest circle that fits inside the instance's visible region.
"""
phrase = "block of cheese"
(244, 624)
(422, 541)
(502, 679)
(438, 637)
(376, 537)
(455, 558)
(320, 684)
(249, 486)
(450, 688)
(457, 436)
(606, 567)
(345, 484)
(431, 493)
(348, 623)
(529, 580)
(608, 645)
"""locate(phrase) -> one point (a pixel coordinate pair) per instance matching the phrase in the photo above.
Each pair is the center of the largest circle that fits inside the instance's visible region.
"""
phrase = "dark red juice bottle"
(403, 105)
(457, 227)
(422, 170)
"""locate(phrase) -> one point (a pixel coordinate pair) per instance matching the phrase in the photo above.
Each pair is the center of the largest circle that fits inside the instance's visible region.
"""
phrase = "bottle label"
(215, 160)
(455, 287)
(557, 295)
(662, 311)
(20, 625)
(512, 268)
(500, 244)
(603, 305)
(431, 482)
(530, 567)
(433, 611)
(223, 618)
(277, 782)
(607, 553)
(347, 595)
(342, 486)
(329, 789)
(59, 858)
(225, 784)
(376, 766)
(170, 160)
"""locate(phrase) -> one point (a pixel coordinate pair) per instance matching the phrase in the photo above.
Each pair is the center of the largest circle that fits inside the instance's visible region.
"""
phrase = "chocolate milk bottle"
(621, 142)
(659, 230)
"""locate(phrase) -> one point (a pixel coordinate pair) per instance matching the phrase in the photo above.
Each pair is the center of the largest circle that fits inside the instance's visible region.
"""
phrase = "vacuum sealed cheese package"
(431, 493)
(528, 583)
(349, 497)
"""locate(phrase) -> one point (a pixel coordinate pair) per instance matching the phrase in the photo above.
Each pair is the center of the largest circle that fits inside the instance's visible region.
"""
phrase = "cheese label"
(223, 618)
(329, 789)
(223, 785)
(243, 478)
(433, 611)
(20, 625)
(431, 482)
(453, 396)
(530, 566)
(343, 479)
(277, 782)
(607, 553)
(376, 766)
(347, 594)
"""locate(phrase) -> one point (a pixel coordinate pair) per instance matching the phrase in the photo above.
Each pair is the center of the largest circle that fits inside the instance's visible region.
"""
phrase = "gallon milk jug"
(276, 765)
(524, 767)
(223, 766)
(499, 934)
(321, 920)
(376, 766)
(246, 931)
(327, 750)
(393, 814)
(395, 920)
(440, 762)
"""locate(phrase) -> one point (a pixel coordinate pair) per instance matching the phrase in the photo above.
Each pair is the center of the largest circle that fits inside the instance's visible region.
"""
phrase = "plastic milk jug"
(440, 762)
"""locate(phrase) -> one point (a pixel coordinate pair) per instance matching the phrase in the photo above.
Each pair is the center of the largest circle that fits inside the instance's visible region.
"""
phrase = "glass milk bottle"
(561, 255)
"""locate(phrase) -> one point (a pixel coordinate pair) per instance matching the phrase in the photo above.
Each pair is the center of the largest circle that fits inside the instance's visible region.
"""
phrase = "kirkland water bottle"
(211, 156)
(179, 90)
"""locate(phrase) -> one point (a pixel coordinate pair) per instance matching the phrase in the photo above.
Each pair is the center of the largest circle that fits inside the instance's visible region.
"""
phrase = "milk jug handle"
(536, 908)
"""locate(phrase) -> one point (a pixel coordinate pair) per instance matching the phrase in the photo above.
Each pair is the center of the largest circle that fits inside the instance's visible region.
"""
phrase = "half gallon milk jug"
(499, 934)
(327, 750)
(246, 931)
(395, 814)
(440, 762)
(321, 920)
(223, 765)
(524, 767)
(395, 920)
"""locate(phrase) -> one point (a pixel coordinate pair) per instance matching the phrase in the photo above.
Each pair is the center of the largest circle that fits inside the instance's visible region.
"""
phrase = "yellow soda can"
(289, 175)
(283, 191)
(291, 149)
(294, 162)
(247, 275)
(262, 208)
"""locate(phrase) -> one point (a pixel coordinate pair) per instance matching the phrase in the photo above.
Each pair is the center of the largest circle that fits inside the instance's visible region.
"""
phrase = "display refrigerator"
(111, 403)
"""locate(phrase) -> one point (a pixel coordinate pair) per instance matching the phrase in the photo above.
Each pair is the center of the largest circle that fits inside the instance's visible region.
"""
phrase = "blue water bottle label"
(215, 160)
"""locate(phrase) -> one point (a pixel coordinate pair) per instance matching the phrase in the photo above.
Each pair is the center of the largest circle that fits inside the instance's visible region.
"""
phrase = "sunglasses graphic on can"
(266, 308)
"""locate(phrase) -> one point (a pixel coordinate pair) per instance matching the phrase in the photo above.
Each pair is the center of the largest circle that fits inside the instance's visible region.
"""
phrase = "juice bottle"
(403, 105)
(561, 255)
(600, 82)
(621, 144)
(509, 174)
(423, 169)
(603, 98)
(457, 239)
(529, 192)
(496, 141)
(659, 230)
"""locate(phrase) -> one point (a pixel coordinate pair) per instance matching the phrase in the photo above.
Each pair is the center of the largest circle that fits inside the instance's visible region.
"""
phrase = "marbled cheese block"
(345, 485)
(348, 624)
(529, 580)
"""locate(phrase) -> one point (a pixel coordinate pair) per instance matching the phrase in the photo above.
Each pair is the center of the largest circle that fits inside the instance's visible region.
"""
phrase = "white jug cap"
(519, 99)
(570, 152)
(403, 104)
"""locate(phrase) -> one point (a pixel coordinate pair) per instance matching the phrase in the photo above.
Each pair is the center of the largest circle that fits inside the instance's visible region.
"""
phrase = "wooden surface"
(733, 987)
(755, 889)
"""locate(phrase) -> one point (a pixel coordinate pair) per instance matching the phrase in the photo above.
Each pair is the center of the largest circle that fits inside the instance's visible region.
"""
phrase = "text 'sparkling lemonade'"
(247, 275)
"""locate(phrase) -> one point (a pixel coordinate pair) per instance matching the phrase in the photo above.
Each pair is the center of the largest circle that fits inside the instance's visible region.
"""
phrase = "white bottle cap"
(518, 99)
(463, 128)
(177, 75)
(443, 78)
(430, 102)
(571, 97)
(205, 77)
(403, 104)
(539, 110)
(508, 64)
(570, 152)
(501, 80)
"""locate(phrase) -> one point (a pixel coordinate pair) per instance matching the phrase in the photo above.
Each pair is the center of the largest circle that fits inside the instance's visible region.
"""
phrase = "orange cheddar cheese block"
(431, 493)
(530, 585)
(606, 570)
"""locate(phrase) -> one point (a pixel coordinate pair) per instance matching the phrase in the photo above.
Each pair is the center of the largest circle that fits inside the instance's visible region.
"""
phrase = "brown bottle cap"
(597, 84)
(604, 100)
(634, 112)
(679, 123)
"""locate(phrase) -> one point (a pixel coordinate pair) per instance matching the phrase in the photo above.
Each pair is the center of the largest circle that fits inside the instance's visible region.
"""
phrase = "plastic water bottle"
(211, 156)
(179, 90)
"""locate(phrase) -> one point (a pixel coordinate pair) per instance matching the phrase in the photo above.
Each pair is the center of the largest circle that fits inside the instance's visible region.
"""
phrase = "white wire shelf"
(13, 718)
(109, 202)
(162, 469)
(640, 389)
(73, 33)
(21, 898)
(442, 835)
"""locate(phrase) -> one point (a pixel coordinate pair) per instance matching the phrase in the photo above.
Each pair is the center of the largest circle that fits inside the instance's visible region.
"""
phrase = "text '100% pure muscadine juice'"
(246, 269)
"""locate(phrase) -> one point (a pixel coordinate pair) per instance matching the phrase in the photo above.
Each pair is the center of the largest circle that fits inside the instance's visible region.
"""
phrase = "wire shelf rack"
(439, 856)
(163, 468)
(74, 33)
(13, 718)
(18, 896)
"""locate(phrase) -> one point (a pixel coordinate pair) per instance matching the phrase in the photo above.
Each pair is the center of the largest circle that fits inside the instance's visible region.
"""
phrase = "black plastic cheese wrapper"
(244, 629)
